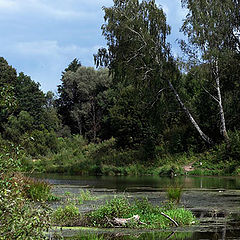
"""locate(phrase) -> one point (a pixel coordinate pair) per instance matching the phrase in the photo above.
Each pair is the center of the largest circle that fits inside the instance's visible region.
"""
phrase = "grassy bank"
(78, 157)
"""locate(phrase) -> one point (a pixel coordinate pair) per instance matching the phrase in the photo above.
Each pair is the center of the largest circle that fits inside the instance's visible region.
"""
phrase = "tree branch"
(217, 100)
(173, 221)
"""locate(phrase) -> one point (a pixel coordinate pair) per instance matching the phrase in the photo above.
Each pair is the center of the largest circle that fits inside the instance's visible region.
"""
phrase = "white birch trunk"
(202, 134)
(223, 129)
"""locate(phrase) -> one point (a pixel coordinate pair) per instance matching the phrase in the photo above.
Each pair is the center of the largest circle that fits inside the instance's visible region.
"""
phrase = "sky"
(41, 37)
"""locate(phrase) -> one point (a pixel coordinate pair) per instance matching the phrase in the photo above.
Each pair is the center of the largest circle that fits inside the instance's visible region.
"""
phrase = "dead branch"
(121, 222)
(173, 221)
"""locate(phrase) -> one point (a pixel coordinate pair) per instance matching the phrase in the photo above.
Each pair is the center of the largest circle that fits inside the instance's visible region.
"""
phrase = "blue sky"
(41, 37)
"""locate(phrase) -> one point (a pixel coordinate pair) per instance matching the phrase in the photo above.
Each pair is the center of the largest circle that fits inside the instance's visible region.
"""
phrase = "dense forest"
(141, 110)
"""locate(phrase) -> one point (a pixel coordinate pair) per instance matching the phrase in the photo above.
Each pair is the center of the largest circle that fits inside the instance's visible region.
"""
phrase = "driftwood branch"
(173, 221)
(121, 222)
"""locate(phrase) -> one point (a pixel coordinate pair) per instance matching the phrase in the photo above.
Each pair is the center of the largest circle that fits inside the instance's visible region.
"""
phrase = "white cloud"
(52, 49)
(54, 9)
(8, 5)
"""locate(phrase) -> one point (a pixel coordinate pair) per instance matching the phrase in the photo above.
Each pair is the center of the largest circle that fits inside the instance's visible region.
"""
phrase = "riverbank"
(178, 165)
(76, 157)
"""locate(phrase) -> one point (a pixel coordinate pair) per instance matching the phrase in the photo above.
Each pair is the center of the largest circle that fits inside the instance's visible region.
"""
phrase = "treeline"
(149, 102)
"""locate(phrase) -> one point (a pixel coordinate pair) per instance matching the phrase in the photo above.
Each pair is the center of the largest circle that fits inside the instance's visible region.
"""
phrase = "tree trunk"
(94, 126)
(196, 126)
(223, 129)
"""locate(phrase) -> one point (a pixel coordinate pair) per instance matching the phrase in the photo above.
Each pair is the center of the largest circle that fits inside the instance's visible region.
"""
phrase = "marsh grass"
(174, 194)
(85, 195)
(38, 190)
(66, 216)
(149, 214)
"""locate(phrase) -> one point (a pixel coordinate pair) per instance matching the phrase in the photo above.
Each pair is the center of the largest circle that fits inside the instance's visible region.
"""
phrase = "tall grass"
(66, 216)
(149, 214)
(174, 194)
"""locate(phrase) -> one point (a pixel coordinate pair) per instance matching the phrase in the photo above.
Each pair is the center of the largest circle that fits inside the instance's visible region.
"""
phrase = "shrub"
(85, 196)
(117, 207)
(38, 190)
(66, 216)
(19, 219)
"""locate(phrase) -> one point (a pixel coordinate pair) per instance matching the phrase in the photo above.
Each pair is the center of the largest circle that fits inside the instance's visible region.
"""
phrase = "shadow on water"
(144, 183)
(134, 235)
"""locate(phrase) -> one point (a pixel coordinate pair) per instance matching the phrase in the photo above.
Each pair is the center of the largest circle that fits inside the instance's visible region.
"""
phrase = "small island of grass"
(114, 212)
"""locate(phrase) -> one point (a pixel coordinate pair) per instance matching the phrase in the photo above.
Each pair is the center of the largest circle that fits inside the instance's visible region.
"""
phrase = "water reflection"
(159, 235)
(144, 182)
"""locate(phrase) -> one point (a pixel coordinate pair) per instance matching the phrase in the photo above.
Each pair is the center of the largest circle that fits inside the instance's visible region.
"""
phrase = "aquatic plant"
(174, 194)
(37, 190)
(85, 195)
(66, 216)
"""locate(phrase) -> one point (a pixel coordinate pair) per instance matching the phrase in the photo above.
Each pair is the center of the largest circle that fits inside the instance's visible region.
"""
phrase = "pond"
(215, 201)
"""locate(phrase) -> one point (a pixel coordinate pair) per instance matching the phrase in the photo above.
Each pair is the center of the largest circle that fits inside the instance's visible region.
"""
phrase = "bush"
(38, 190)
(66, 216)
(19, 218)
(85, 196)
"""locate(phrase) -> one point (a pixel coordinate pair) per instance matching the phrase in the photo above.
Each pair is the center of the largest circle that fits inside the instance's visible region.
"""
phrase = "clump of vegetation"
(151, 216)
(19, 218)
(85, 195)
(66, 216)
(38, 190)
(174, 194)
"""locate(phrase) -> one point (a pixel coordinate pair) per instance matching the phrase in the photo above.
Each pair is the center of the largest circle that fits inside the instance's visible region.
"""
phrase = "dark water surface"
(215, 201)
(144, 182)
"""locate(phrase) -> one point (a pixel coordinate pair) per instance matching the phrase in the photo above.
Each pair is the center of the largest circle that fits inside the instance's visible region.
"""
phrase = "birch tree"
(213, 30)
(138, 51)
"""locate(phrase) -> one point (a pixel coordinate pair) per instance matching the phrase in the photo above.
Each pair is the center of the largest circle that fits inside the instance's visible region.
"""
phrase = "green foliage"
(38, 190)
(174, 194)
(19, 219)
(85, 195)
(117, 207)
(82, 97)
(8, 79)
(149, 214)
(66, 216)
(40, 142)
(30, 98)
(7, 102)
(169, 169)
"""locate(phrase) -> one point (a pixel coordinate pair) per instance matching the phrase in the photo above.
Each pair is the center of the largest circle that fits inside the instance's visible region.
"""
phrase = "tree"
(30, 98)
(81, 93)
(212, 28)
(8, 78)
(138, 52)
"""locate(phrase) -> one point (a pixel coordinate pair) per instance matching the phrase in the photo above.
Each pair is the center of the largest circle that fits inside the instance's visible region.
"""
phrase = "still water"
(214, 200)
(144, 182)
